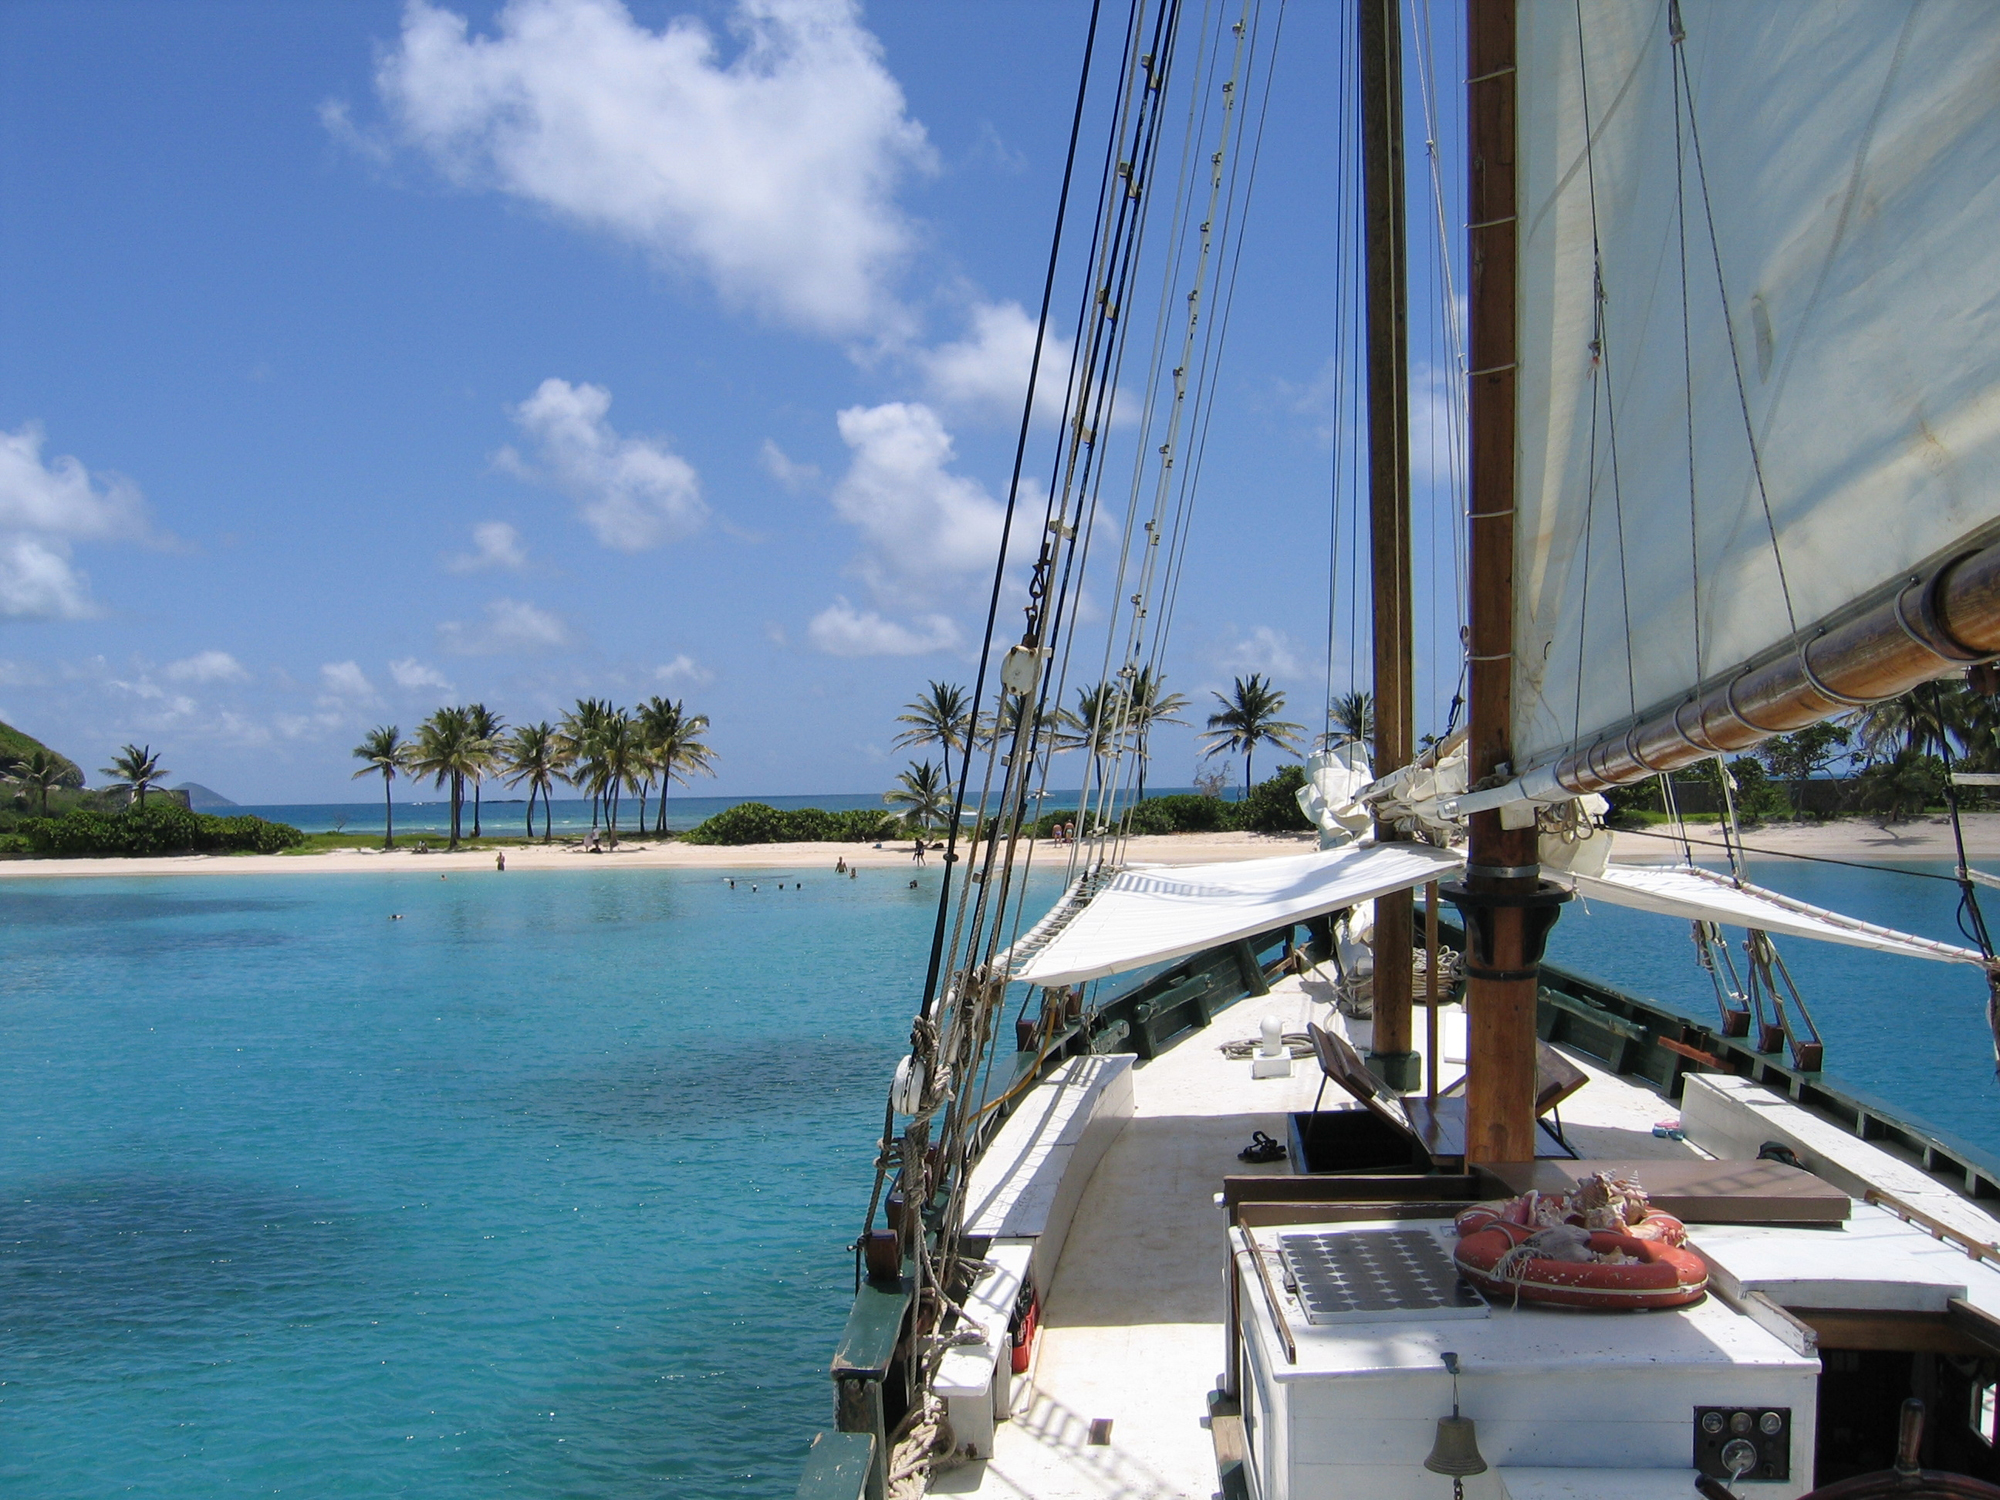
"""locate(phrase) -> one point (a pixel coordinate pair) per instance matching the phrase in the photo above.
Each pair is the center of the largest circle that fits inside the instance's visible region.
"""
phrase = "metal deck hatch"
(1376, 1276)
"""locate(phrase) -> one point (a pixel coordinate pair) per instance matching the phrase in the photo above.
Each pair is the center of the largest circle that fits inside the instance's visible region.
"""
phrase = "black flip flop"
(1261, 1148)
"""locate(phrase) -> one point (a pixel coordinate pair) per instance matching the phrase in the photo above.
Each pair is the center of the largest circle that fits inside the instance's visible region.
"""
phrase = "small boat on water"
(1454, 1220)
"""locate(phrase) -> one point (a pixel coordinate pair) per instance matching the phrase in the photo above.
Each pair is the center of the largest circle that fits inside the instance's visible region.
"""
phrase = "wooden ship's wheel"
(1907, 1481)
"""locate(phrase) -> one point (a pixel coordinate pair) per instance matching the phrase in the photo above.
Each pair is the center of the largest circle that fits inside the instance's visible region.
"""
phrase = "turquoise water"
(1912, 1032)
(542, 1190)
(572, 815)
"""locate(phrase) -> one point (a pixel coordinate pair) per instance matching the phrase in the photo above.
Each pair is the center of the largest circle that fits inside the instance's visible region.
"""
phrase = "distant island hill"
(17, 745)
(203, 799)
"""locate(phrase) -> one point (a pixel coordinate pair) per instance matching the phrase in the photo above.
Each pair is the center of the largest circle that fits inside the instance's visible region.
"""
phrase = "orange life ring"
(1496, 1256)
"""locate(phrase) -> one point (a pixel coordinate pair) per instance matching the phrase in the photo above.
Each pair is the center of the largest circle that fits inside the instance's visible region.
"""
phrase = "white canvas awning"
(1703, 896)
(1151, 914)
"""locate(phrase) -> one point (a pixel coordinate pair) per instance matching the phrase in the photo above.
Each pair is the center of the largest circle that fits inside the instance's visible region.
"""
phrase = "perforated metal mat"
(1375, 1276)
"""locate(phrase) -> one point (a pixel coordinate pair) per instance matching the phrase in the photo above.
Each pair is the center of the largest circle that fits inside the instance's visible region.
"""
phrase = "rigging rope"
(1601, 365)
(1971, 920)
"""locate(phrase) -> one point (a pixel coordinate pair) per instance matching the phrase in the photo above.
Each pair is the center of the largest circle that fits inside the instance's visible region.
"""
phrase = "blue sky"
(356, 358)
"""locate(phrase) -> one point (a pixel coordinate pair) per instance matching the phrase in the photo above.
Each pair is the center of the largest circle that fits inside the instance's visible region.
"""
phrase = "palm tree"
(1249, 717)
(924, 794)
(137, 769)
(485, 725)
(1351, 717)
(1910, 722)
(384, 754)
(675, 746)
(620, 760)
(940, 716)
(531, 757)
(39, 770)
(1148, 707)
(447, 751)
(1094, 725)
(579, 741)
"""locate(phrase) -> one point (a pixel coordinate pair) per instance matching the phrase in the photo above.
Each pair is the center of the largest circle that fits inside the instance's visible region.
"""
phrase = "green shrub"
(1626, 801)
(243, 832)
(809, 825)
(1273, 805)
(864, 825)
(1190, 812)
(745, 823)
(1902, 787)
(158, 828)
(760, 823)
(1150, 817)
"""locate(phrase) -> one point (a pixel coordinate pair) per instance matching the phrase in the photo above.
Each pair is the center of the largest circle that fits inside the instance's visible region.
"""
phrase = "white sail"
(1851, 150)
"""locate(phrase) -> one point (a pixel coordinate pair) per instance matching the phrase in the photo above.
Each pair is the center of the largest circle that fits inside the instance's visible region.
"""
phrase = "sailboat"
(1730, 401)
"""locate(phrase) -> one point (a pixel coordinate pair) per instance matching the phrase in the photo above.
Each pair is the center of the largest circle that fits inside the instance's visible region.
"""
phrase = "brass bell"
(1456, 1449)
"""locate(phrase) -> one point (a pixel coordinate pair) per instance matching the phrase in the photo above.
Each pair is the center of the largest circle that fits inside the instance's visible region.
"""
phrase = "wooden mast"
(1502, 876)
(1381, 54)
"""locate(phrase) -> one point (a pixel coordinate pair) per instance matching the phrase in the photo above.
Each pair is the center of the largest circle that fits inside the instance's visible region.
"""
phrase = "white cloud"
(43, 508)
(160, 707)
(683, 669)
(842, 630)
(207, 666)
(37, 581)
(633, 494)
(14, 674)
(923, 524)
(345, 679)
(411, 674)
(772, 173)
(62, 497)
(781, 467)
(1265, 650)
(495, 544)
(987, 370)
(511, 627)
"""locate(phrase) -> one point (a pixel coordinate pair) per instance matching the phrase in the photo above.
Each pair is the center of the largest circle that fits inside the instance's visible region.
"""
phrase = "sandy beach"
(1857, 839)
(1176, 849)
(1860, 841)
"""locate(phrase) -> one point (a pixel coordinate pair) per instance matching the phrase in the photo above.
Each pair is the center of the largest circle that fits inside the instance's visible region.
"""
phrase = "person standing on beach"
(500, 860)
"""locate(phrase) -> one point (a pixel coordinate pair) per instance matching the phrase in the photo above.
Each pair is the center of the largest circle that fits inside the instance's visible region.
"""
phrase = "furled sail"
(1699, 491)
(1703, 896)
(1150, 914)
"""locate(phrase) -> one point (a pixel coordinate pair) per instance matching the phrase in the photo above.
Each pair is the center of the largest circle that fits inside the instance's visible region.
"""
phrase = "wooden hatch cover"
(1696, 1191)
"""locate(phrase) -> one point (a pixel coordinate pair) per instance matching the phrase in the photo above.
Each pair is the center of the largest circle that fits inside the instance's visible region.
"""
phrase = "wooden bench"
(1021, 1198)
(976, 1380)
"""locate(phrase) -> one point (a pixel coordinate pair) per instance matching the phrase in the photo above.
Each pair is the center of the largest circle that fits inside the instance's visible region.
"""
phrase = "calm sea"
(543, 1189)
(572, 815)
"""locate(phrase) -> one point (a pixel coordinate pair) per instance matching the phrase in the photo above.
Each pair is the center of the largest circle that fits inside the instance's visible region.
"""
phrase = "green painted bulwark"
(838, 1467)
